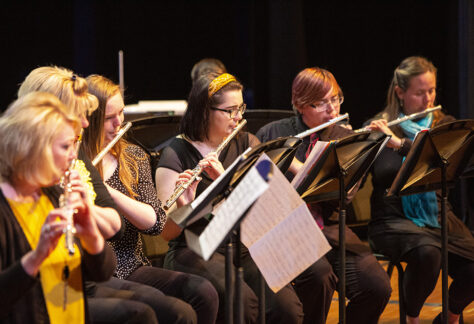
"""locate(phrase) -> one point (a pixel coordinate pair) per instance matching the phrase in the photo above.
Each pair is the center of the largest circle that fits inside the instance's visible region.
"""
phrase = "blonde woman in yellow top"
(40, 281)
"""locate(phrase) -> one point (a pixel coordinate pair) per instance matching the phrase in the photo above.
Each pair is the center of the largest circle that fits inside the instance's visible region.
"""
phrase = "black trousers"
(194, 290)
(123, 301)
(423, 269)
(367, 288)
(421, 275)
(119, 306)
(282, 307)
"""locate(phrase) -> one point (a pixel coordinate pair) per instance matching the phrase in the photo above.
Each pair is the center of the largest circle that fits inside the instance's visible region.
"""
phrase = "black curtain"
(264, 43)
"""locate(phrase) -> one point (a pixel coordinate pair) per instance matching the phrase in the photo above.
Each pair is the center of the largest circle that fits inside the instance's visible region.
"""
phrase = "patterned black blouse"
(129, 250)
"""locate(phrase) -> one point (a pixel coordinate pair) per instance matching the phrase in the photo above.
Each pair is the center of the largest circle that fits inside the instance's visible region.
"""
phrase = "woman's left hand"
(212, 166)
(190, 193)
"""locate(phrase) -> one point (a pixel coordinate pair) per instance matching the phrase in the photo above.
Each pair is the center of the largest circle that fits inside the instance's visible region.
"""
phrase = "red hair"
(312, 85)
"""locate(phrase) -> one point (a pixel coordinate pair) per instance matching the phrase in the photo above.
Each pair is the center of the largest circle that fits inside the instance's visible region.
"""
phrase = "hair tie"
(219, 82)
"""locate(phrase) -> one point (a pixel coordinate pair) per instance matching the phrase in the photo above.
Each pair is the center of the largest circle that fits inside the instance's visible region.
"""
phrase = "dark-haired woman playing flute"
(215, 107)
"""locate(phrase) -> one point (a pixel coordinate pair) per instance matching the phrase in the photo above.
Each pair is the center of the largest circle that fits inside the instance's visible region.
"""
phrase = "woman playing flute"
(127, 174)
(316, 99)
(115, 300)
(40, 281)
(407, 229)
(215, 107)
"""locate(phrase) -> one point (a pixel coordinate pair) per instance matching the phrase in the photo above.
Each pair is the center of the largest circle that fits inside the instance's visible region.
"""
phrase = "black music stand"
(436, 160)
(338, 169)
(281, 151)
(191, 218)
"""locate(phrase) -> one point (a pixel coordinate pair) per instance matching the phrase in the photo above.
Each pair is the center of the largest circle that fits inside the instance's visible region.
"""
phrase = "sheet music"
(289, 248)
(242, 197)
(255, 227)
(281, 234)
(316, 152)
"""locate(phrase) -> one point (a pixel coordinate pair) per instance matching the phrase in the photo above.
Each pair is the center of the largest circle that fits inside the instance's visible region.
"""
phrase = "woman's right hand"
(51, 232)
(212, 166)
(381, 125)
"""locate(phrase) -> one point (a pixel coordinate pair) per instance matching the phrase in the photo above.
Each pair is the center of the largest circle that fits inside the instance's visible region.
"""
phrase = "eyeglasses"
(326, 104)
(233, 112)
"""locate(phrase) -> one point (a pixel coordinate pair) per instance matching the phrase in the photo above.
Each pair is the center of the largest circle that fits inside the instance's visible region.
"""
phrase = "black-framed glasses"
(233, 112)
(326, 104)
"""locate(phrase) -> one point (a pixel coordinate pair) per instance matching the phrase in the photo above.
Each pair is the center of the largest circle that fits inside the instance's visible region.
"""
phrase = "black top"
(181, 155)
(129, 249)
(21, 296)
(292, 126)
(388, 217)
(103, 198)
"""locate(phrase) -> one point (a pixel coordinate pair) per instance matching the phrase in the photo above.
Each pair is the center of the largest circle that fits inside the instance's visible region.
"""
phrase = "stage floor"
(390, 316)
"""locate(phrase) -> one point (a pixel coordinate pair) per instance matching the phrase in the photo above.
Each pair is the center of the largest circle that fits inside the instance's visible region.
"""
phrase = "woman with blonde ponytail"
(407, 228)
(116, 300)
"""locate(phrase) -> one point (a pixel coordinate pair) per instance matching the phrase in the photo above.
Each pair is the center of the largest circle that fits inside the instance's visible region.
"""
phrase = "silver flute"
(119, 135)
(413, 116)
(322, 126)
(64, 201)
(405, 118)
(179, 190)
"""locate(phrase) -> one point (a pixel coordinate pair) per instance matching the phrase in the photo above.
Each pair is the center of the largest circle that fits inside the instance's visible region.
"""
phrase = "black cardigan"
(21, 296)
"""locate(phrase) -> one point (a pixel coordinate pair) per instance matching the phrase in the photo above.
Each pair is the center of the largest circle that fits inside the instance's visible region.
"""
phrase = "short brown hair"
(311, 85)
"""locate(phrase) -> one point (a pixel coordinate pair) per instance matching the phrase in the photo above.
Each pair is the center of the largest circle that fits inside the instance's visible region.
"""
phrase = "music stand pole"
(444, 242)
(239, 279)
(342, 249)
(229, 282)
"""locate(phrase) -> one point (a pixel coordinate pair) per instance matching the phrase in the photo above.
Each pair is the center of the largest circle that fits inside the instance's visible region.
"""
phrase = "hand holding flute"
(383, 126)
(81, 207)
(66, 197)
(211, 160)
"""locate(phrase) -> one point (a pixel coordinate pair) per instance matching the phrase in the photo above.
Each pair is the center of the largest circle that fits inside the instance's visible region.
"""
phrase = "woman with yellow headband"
(215, 107)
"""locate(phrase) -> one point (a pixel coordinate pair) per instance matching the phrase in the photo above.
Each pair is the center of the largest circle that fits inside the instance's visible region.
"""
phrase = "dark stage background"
(264, 43)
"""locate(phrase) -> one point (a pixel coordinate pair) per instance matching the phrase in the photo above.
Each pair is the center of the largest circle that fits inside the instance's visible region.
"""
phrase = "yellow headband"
(219, 82)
